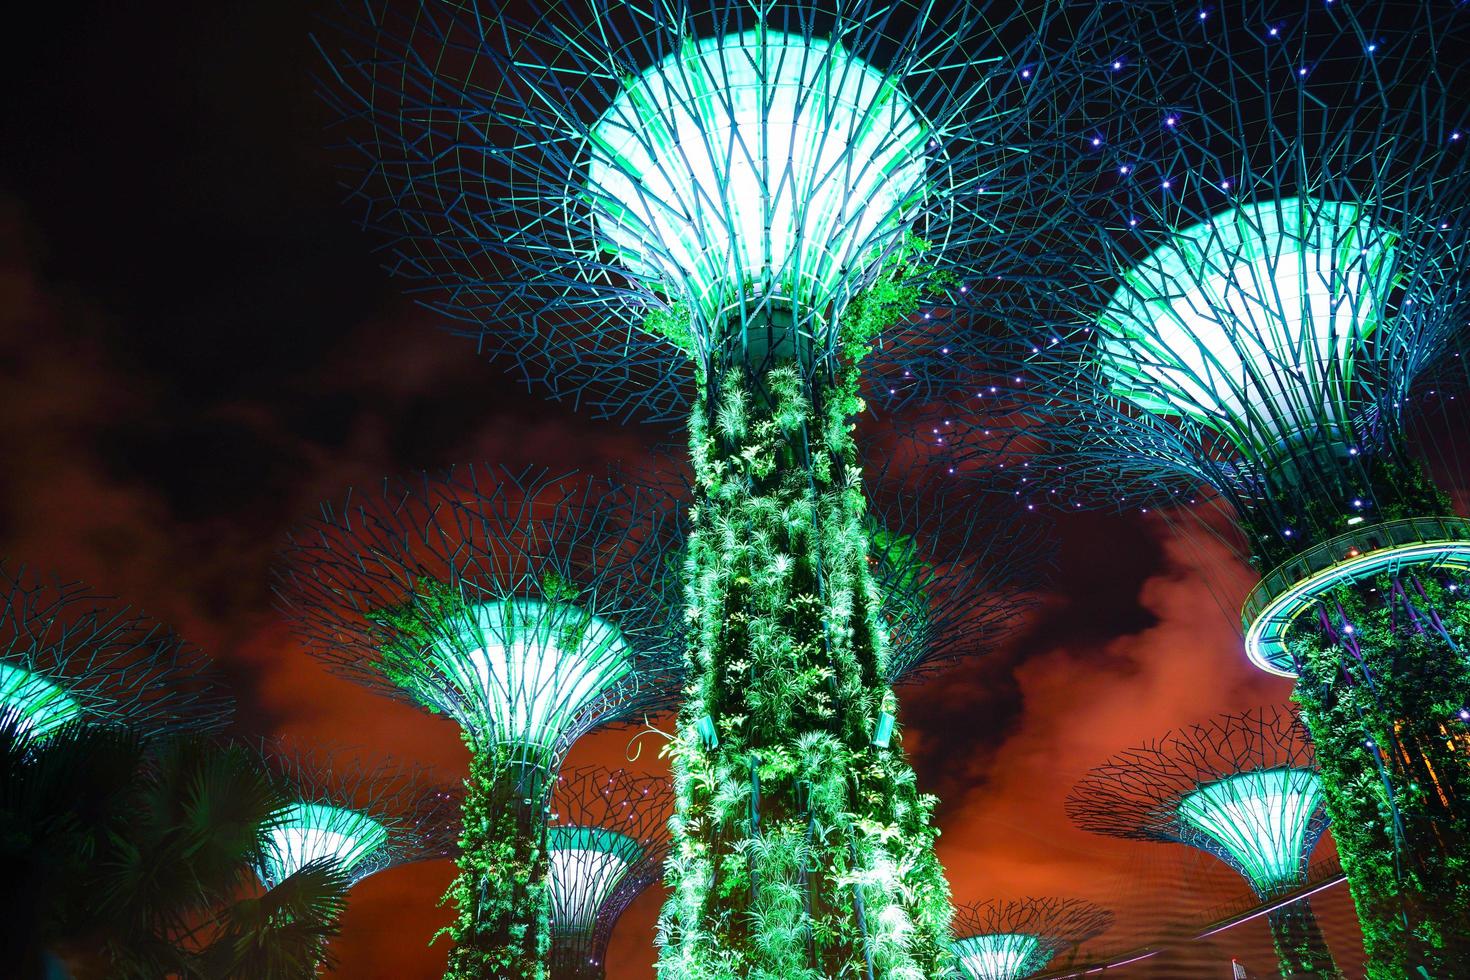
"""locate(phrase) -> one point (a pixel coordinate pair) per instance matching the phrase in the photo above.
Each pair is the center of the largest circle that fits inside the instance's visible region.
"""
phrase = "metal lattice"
(1243, 788)
(611, 195)
(607, 836)
(367, 817)
(996, 940)
(70, 654)
(528, 608)
(1269, 265)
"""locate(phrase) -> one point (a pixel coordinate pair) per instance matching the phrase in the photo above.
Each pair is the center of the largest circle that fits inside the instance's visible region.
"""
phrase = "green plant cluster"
(502, 925)
(800, 849)
(1301, 949)
(1395, 761)
(1316, 507)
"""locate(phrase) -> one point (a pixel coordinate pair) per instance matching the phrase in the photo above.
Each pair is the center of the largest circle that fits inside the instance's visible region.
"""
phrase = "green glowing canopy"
(308, 832)
(1259, 822)
(1251, 322)
(587, 863)
(38, 706)
(757, 160)
(1001, 956)
(532, 665)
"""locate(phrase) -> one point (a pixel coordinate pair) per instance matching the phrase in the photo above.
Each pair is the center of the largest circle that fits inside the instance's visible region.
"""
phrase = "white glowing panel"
(1261, 820)
(309, 832)
(759, 157)
(587, 864)
(35, 706)
(533, 665)
(1000, 956)
(1251, 322)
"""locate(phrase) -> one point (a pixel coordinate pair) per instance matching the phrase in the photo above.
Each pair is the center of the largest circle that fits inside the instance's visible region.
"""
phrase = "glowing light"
(37, 706)
(1001, 956)
(309, 832)
(1250, 322)
(1258, 822)
(758, 157)
(587, 863)
(533, 665)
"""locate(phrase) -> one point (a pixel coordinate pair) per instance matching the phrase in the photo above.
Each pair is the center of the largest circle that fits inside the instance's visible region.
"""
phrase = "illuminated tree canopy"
(607, 836)
(68, 654)
(1243, 788)
(997, 940)
(363, 818)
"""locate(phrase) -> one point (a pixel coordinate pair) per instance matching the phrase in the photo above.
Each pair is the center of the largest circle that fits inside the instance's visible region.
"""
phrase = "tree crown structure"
(70, 654)
(527, 607)
(997, 940)
(363, 817)
(607, 837)
(621, 198)
(1243, 788)
(1269, 267)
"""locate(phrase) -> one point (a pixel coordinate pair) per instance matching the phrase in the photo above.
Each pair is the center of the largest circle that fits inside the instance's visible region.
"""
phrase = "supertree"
(70, 654)
(362, 817)
(1010, 940)
(1243, 788)
(608, 836)
(525, 607)
(1270, 276)
(714, 213)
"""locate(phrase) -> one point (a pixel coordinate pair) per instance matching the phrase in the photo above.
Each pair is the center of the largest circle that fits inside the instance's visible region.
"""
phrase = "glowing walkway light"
(1005, 956)
(309, 832)
(37, 706)
(818, 157)
(1260, 822)
(1253, 320)
(1012, 940)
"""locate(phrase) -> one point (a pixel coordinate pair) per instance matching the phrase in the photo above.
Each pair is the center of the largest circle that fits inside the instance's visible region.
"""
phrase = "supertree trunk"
(801, 845)
(503, 926)
(1301, 948)
(1384, 686)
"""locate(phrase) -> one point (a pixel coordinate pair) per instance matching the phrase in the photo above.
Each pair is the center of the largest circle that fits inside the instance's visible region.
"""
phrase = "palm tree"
(123, 856)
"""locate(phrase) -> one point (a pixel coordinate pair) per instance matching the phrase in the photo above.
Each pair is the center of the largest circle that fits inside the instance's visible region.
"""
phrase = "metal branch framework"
(610, 195)
(365, 817)
(954, 573)
(527, 607)
(1243, 788)
(608, 837)
(997, 940)
(68, 654)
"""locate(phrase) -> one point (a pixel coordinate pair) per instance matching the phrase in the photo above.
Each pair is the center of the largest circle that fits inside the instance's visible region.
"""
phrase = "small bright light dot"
(1025, 72)
(1167, 185)
(1301, 71)
(1096, 141)
(1225, 185)
(1372, 48)
(1124, 169)
(1171, 120)
(1274, 32)
(1117, 65)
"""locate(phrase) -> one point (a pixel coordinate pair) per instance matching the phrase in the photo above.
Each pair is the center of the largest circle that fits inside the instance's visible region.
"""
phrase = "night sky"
(197, 346)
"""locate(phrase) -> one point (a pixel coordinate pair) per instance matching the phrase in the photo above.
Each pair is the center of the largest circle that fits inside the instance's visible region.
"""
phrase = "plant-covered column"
(502, 925)
(1384, 686)
(1301, 949)
(801, 842)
